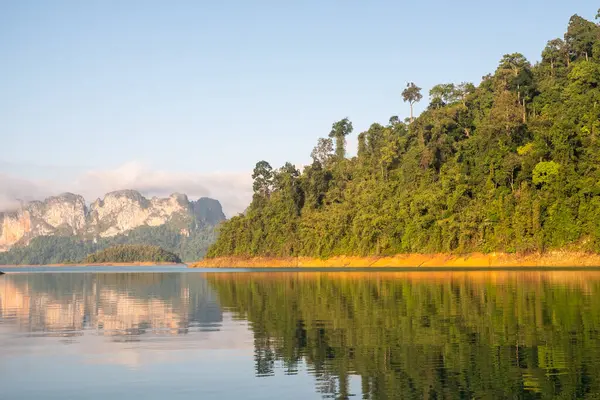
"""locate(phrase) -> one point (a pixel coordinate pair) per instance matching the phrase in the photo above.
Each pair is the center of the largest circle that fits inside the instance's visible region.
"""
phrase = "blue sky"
(189, 87)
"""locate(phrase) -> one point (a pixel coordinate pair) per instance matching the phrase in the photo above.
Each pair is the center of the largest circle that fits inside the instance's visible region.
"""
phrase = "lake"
(176, 333)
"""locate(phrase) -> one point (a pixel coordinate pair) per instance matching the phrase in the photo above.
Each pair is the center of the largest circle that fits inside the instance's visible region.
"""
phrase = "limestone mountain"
(123, 216)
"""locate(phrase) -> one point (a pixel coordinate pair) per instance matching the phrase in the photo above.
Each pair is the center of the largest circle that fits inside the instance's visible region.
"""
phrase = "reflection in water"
(292, 335)
(426, 335)
(117, 305)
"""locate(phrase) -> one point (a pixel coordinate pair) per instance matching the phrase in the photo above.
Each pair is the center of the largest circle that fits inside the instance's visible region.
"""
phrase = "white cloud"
(232, 189)
(14, 190)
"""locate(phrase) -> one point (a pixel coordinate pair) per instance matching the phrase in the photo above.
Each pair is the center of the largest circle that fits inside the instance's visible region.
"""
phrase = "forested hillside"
(72, 249)
(510, 165)
(188, 232)
(132, 253)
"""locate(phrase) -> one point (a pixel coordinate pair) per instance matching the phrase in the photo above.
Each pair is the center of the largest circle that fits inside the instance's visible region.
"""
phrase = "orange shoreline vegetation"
(549, 259)
(475, 260)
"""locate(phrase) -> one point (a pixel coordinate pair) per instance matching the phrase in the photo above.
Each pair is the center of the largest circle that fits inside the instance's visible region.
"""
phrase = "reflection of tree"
(504, 336)
(114, 304)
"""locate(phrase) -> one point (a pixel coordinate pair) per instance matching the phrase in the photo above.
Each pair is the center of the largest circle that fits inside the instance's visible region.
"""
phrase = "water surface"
(176, 333)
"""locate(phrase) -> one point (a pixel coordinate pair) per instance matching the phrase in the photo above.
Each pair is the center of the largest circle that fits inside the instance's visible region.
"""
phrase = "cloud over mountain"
(232, 189)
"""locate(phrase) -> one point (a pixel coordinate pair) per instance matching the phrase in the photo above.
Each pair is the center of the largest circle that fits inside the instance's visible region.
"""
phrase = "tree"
(464, 89)
(555, 50)
(315, 184)
(585, 78)
(475, 175)
(323, 151)
(515, 74)
(339, 131)
(285, 180)
(412, 94)
(505, 114)
(263, 179)
(284, 175)
(511, 67)
(362, 144)
(580, 37)
(515, 62)
(447, 93)
(545, 171)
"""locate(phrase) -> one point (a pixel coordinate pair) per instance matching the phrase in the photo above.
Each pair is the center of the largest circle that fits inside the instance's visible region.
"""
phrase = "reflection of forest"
(420, 335)
(112, 304)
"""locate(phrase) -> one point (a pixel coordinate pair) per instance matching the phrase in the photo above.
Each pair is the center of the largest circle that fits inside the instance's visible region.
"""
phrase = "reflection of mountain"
(109, 304)
(419, 335)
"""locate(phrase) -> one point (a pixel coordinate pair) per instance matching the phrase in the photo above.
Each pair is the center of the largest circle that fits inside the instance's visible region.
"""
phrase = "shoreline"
(131, 264)
(474, 260)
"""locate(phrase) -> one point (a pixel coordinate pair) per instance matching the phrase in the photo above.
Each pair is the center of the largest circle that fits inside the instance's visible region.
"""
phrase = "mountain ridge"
(110, 219)
(116, 213)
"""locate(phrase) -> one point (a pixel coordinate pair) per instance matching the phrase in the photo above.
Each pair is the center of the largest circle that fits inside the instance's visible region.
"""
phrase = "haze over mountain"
(233, 189)
(65, 228)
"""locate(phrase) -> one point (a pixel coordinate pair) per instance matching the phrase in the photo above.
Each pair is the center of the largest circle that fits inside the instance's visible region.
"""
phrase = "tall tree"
(315, 182)
(513, 64)
(285, 181)
(514, 73)
(263, 179)
(323, 151)
(580, 37)
(339, 131)
(555, 50)
(464, 89)
(412, 94)
(442, 94)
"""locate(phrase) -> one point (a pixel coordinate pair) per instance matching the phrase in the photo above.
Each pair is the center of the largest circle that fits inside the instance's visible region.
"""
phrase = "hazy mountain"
(66, 221)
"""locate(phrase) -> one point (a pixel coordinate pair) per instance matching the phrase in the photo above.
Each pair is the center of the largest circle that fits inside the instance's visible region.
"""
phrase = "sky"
(186, 96)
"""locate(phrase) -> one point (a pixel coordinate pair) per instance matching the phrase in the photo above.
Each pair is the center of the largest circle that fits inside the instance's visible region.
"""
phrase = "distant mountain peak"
(116, 213)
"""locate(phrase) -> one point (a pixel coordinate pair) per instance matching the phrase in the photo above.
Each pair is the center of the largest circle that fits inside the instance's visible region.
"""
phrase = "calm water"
(299, 335)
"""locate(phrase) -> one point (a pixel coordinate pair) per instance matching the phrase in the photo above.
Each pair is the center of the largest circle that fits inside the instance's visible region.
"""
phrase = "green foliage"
(525, 149)
(49, 250)
(443, 94)
(339, 131)
(61, 249)
(581, 36)
(263, 178)
(412, 94)
(510, 165)
(501, 337)
(545, 171)
(323, 151)
(132, 253)
(554, 53)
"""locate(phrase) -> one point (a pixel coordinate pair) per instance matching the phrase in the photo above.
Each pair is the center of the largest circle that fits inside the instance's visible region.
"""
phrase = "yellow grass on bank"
(550, 259)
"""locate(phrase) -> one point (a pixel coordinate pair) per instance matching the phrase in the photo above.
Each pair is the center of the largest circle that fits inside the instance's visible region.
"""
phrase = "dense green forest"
(69, 249)
(454, 338)
(511, 165)
(132, 253)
